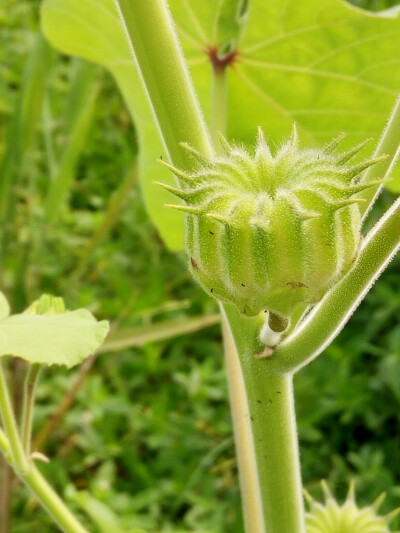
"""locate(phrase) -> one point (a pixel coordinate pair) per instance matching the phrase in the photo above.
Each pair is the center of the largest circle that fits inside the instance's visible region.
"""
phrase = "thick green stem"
(28, 405)
(165, 76)
(249, 483)
(19, 459)
(265, 426)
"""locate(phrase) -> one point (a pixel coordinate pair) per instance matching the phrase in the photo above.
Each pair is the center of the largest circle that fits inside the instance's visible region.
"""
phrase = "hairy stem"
(166, 78)
(267, 445)
(19, 459)
(51, 502)
(28, 405)
(249, 483)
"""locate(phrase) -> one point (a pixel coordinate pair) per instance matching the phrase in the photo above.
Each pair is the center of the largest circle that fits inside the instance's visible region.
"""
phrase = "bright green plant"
(335, 75)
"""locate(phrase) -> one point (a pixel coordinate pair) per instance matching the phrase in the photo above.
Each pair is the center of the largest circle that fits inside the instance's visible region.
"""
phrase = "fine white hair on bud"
(331, 517)
(270, 232)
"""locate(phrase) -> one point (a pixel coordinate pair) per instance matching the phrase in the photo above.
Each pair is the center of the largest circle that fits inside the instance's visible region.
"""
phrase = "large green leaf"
(56, 337)
(326, 65)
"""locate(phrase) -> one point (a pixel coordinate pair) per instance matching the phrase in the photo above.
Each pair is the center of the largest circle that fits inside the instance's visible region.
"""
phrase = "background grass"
(149, 433)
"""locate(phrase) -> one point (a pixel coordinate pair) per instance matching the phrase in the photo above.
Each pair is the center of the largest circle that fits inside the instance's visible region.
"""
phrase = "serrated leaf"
(61, 339)
(325, 65)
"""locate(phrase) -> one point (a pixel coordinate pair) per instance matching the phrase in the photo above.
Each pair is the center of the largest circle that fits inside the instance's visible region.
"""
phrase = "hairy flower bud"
(272, 231)
(331, 517)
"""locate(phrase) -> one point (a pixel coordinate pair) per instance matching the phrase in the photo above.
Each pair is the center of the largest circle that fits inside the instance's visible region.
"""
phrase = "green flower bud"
(331, 517)
(272, 232)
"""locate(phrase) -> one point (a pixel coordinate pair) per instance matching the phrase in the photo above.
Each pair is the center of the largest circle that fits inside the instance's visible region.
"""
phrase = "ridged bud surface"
(271, 231)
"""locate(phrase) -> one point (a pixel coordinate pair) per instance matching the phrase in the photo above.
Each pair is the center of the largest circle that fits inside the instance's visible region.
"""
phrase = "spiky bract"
(270, 232)
(330, 517)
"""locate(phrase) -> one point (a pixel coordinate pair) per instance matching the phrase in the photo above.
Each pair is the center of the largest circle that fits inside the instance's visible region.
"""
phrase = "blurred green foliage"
(149, 434)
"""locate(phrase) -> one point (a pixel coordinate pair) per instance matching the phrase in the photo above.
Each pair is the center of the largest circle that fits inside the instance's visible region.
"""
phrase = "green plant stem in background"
(24, 120)
(19, 459)
(219, 105)
(51, 501)
(165, 76)
(81, 105)
(31, 379)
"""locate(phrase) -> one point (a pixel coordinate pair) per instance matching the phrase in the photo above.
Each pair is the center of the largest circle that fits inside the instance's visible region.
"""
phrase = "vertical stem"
(219, 104)
(27, 406)
(249, 483)
(271, 410)
(263, 410)
(10, 425)
(165, 76)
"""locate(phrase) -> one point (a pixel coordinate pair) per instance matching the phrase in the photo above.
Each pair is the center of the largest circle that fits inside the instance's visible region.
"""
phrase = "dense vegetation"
(149, 434)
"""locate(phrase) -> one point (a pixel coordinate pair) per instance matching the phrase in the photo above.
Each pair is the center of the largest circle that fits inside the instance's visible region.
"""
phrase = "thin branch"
(28, 405)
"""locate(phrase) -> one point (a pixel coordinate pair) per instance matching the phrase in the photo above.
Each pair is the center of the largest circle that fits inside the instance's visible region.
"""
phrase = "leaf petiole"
(31, 379)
